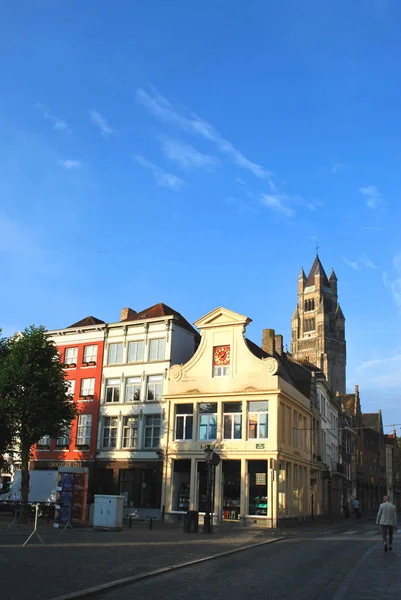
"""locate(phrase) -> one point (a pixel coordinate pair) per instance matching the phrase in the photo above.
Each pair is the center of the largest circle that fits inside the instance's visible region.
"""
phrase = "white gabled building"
(139, 350)
(331, 455)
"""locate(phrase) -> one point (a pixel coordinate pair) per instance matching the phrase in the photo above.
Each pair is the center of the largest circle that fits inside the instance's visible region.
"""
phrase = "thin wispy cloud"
(367, 262)
(241, 206)
(58, 124)
(187, 156)
(372, 195)
(384, 372)
(351, 263)
(362, 262)
(369, 228)
(162, 177)
(393, 283)
(98, 119)
(337, 167)
(277, 203)
(70, 164)
(162, 109)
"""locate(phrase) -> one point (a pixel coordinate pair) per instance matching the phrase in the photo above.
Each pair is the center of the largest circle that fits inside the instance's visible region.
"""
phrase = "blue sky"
(192, 152)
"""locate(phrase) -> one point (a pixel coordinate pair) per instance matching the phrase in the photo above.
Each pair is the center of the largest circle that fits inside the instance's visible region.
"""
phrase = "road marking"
(373, 532)
(349, 532)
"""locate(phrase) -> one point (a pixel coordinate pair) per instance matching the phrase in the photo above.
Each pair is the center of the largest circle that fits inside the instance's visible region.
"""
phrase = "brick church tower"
(318, 325)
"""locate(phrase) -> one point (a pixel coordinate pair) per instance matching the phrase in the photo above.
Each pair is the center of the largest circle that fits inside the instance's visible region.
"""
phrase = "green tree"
(5, 429)
(33, 394)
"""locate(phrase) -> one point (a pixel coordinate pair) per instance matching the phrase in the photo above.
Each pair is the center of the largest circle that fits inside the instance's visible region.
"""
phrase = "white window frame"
(115, 353)
(208, 424)
(44, 441)
(90, 353)
(152, 426)
(110, 424)
(185, 417)
(112, 383)
(259, 413)
(65, 438)
(133, 384)
(73, 359)
(234, 416)
(154, 382)
(71, 386)
(221, 371)
(159, 347)
(136, 351)
(89, 390)
(130, 433)
(84, 430)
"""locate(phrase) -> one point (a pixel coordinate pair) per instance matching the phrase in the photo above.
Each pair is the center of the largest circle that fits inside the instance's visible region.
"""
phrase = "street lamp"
(208, 519)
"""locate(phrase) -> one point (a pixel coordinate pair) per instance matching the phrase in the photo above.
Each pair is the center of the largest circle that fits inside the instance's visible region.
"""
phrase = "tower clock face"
(221, 355)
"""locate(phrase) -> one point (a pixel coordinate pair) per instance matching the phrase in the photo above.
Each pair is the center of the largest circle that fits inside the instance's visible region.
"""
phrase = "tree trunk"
(25, 451)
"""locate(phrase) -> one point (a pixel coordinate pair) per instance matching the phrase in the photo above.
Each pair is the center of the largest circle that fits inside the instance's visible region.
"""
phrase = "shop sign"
(65, 463)
(260, 446)
(260, 478)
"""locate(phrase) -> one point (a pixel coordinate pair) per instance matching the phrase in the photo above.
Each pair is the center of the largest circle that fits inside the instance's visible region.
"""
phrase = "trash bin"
(191, 521)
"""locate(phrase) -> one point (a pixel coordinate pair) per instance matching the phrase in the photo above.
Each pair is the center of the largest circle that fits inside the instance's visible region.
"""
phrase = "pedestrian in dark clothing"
(346, 510)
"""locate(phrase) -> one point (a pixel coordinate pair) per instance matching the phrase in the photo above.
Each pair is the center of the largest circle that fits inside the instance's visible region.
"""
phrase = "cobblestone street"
(308, 562)
(334, 565)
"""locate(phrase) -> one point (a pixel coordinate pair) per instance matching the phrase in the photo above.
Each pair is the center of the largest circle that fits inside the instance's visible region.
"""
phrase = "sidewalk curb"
(116, 583)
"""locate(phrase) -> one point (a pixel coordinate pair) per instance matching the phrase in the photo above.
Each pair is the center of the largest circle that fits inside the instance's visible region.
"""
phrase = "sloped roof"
(372, 420)
(288, 369)
(162, 310)
(87, 322)
(317, 269)
(256, 350)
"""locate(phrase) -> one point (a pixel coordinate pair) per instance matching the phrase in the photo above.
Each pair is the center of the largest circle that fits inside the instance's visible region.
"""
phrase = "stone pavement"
(71, 562)
(378, 575)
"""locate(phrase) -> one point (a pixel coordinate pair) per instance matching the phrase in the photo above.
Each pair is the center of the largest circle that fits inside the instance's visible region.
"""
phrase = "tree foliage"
(34, 395)
(5, 427)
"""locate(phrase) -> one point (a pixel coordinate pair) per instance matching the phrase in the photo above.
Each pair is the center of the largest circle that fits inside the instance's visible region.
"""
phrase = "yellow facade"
(258, 422)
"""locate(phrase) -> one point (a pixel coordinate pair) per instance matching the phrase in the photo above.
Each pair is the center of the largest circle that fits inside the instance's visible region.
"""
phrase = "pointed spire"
(317, 269)
(302, 275)
(339, 313)
(332, 276)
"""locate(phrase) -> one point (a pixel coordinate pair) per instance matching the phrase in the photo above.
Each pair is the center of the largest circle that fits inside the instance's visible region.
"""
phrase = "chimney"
(357, 391)
(268, 341)
(127, 314)
(278, 342)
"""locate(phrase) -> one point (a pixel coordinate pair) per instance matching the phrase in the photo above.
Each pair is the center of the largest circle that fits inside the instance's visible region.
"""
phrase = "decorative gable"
(222, 317)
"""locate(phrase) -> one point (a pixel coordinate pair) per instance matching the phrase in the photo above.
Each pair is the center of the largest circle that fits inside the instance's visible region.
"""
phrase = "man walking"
(387, 518)
(356, 508)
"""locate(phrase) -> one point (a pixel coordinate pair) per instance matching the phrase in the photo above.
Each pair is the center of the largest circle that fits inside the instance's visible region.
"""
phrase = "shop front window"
(231, 471)
(257, 493)
(207, 421)
(181, 485)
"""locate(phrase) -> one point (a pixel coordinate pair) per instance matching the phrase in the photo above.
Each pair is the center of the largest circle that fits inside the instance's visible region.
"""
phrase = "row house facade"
(139, 350)
(81, 349)
(253, 407)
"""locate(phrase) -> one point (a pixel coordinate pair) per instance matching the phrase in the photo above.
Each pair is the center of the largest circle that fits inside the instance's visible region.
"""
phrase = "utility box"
(108, 512)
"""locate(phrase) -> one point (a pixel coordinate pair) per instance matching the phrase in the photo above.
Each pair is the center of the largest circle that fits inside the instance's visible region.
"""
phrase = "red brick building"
(81, 348)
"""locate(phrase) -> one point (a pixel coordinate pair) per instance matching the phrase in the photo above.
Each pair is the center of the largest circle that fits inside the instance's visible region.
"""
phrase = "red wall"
(84, 407)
